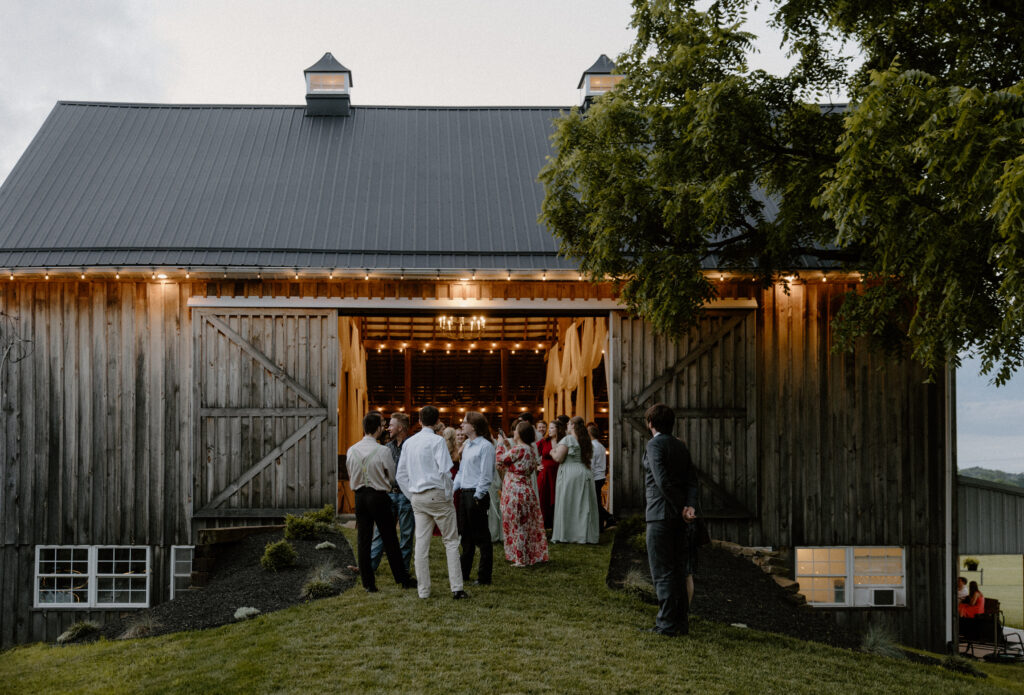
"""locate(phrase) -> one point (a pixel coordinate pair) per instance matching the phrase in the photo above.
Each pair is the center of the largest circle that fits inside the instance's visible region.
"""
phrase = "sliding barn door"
(708, 378)
(266, 410)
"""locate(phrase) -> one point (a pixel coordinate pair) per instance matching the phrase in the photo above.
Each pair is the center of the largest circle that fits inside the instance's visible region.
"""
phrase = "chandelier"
(461, 327)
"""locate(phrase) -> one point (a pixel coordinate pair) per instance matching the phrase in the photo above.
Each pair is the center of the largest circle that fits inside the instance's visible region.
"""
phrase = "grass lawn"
(554, 629)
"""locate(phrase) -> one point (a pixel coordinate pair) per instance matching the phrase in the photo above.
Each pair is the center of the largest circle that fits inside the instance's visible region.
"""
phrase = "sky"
(400, 52)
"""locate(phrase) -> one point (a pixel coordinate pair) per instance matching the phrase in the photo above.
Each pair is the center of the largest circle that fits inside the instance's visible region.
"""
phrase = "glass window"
(852, 575)
(92, 576)
(181, 568)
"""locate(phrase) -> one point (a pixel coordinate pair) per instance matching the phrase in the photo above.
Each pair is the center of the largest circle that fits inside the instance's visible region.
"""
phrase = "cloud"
(102, 50)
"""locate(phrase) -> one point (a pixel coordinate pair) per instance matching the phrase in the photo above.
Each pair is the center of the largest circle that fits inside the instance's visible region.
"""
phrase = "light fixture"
(259, 276)
(331, 275)
(162, 276)
(544, 275)
(367, 276)
(46, 277)
(12, 276)
(426, 345)
(117, 276)
(154, 276)
(296, 276)
(401, 275)
(83, 276)
(461, 327)
(509, 278)
(188, 274)
(473, 276)
(517, 345)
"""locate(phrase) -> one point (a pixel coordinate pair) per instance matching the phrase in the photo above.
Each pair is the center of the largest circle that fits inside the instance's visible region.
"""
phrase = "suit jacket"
(670, 478)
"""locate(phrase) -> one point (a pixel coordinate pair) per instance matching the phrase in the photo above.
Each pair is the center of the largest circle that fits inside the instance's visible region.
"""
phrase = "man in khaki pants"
(424, 475)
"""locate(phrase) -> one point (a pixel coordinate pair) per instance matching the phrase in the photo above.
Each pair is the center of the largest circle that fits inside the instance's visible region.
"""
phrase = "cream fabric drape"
(571, 365)
(352, 392)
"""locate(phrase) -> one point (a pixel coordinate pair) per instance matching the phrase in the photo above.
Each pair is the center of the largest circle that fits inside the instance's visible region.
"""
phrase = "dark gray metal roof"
(263, 186)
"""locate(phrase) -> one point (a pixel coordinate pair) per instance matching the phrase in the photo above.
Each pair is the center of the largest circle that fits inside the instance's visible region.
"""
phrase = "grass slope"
(553, 629)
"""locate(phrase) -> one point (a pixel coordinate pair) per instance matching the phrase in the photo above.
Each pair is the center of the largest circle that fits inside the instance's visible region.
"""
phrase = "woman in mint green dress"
(575, 519)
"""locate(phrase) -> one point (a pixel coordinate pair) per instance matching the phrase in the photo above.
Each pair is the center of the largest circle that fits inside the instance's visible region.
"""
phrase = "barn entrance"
(501, 365)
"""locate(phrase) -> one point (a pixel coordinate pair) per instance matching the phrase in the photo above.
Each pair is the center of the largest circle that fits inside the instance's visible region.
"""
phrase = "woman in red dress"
(974, 604)
(548, 471)
(521, 521)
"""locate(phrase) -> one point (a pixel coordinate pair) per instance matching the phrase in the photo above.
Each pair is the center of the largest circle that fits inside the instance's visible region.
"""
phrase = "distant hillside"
(994, 476)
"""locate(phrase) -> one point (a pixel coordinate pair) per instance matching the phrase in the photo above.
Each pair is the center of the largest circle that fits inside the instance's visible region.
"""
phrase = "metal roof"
(263, 186)
(989, 517)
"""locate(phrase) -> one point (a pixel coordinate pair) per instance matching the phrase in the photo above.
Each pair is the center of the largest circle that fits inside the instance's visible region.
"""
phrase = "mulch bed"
(730, 589)
(238, 580)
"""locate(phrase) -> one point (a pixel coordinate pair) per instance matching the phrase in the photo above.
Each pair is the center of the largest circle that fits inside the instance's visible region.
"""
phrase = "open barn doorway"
(500, 365)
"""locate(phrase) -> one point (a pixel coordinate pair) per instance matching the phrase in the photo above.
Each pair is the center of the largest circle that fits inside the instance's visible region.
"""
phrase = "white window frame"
(858, 595)
(91, 578)
(174, 563)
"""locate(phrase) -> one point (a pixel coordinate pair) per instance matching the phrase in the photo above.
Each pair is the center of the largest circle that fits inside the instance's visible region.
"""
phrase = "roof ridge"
(407, 107)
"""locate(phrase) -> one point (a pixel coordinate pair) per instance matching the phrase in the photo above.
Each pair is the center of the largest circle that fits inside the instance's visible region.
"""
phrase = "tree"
(694, 161)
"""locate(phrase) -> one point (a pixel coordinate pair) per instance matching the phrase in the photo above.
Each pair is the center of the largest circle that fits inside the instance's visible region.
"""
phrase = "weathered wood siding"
(849, 448)
(94, 431)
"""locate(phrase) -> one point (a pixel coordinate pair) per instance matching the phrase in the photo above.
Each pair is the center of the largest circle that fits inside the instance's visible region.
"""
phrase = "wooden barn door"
(265, 398)
(708, 378)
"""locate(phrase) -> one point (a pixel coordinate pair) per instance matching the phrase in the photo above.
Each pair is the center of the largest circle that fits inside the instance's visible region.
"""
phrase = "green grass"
(553, 629)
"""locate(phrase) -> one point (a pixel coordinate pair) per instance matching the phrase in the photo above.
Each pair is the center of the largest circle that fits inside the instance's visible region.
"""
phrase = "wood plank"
(260, 412)
(668, 375)
(267, 363)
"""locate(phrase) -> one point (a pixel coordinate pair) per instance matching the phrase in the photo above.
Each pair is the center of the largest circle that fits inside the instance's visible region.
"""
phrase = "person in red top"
(548, 471)
(974, 604)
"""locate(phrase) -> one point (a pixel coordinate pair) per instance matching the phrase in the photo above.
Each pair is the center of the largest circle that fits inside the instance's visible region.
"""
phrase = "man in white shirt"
(599, 467)
(474, 479)
(371, 470)
(424, 474)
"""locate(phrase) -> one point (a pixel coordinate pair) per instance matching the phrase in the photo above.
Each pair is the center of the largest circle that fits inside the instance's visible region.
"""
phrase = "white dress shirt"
(370, 465)
(599, 461)
(477, 468)
(424, 460)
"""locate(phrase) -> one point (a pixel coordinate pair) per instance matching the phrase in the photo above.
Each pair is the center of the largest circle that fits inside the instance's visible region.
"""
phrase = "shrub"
(639, 543)
(325, 572)
(631, 526)
(317, 589)
(78, 632)
(142, 625)
(955, 662)
(637, 582)
(880, 641)
(326, 545)
(278, 556)
(327, 515)
(302, 527)
(246, 612)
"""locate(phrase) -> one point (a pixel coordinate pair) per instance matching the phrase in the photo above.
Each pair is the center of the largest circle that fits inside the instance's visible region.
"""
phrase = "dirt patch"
(238, 580)
(730, 589)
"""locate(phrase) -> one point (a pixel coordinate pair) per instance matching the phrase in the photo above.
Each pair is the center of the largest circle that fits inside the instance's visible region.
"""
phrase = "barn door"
(708, 378)
(265, 395)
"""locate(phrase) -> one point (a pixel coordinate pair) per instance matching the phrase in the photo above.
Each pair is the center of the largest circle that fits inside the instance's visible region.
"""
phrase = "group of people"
(970, 601)
(506, 488)
(419, 475)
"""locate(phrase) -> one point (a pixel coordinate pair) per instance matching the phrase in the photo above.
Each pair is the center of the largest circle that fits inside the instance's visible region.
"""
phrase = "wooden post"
(504, 390)
(408, 381)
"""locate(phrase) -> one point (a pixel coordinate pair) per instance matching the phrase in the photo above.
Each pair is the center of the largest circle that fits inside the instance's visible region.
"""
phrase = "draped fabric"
(571, 366)
(353, 401)
(552, 383)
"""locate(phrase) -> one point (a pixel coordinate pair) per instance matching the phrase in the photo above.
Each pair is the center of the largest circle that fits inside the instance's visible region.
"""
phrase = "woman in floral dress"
(522, 523)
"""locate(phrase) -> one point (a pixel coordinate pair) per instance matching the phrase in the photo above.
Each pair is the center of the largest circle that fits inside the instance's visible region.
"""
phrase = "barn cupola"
(597, 79)
(327, 86)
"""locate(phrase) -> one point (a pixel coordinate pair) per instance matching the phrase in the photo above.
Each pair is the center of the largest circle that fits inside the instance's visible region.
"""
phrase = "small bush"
(639, 543)
(302, 527)
(637, 582)
(246, 612)
(317, 589)
(631, 526)
(141, 626)
(326, 545)
(327, 515)
(955, 662)
(278, 556)
(880, 641)
(326, 572)
(79, 632)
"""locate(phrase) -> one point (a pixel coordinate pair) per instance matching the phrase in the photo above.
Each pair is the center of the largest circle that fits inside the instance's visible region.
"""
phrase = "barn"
(199, 302)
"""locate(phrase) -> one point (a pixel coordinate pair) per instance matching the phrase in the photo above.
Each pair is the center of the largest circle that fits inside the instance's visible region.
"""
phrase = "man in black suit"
(671, 482)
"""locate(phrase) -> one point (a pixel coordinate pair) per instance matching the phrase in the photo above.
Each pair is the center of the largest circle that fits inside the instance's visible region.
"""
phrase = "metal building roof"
(264, 186)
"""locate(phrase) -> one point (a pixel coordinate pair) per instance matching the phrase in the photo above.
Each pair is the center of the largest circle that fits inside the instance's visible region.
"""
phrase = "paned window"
(181, 568)
(852, 575)
(92, 576)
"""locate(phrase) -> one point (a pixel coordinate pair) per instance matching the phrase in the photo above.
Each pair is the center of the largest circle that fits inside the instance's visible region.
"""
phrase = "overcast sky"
(442, 52)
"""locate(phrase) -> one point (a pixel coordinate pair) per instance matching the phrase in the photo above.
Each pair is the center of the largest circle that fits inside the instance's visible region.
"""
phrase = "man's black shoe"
(371, 589)
(459, 594)
(410, 583)
(479, 582)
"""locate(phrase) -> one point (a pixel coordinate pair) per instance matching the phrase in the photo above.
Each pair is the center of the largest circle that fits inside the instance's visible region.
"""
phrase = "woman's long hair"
(558, 428)
(579, 430)
(480, 425)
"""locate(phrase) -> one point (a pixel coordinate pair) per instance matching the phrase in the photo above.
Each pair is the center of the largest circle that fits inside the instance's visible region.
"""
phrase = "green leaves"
(695, 162)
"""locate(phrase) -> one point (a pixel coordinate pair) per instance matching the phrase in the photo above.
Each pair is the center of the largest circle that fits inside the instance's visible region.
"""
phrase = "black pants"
(475, 534)
(374, 507)
(667, 554)
(602, 514)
